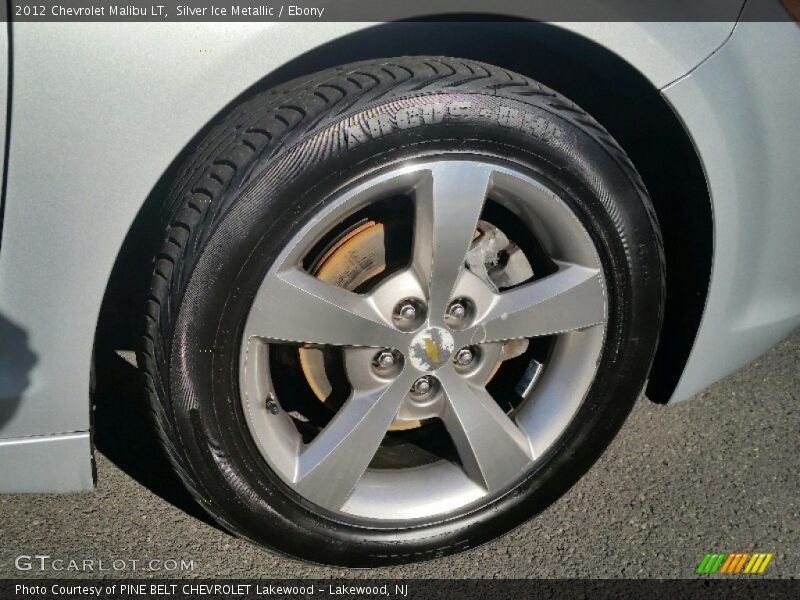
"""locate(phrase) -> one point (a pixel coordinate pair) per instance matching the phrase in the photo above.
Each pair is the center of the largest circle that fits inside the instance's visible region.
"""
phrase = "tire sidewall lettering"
(357, 132)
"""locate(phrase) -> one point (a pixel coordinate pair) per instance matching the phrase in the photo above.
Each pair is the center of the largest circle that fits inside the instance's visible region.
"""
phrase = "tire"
(261, 175)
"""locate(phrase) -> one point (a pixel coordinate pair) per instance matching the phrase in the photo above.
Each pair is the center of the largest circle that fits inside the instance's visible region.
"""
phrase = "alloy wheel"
(424, 341)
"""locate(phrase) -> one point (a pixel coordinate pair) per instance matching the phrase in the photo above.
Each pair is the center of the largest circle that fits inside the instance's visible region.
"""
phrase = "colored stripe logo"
(734, 563)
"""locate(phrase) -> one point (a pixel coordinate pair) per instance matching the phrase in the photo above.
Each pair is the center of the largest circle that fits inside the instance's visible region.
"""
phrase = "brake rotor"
(352, 260)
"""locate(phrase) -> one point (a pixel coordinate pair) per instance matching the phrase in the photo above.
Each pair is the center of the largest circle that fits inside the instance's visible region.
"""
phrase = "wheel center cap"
(431, 348)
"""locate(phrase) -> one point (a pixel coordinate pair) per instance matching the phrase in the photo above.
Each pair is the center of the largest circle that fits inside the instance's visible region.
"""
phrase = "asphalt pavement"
(719, 472)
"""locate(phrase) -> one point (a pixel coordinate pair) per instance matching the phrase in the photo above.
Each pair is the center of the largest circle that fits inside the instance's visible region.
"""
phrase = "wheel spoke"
(293, 306)
(331, 466)
(448, 205)
(569, 299)
(492, 448)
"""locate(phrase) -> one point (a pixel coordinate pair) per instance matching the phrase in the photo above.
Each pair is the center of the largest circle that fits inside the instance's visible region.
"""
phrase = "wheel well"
(602, 83)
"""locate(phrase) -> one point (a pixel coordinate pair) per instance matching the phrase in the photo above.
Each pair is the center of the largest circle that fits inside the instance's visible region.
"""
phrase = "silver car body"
(98, 111)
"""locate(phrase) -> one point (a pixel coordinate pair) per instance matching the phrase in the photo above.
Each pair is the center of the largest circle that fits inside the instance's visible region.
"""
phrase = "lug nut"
(422, 386)
(464, 357)
(385, 359)
(408, 312)
(457, 310)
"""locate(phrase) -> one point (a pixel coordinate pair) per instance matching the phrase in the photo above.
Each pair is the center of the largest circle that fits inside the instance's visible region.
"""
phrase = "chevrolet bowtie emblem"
(431, 348)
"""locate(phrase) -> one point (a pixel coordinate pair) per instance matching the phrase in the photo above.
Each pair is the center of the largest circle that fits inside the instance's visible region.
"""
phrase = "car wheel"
(401, 307)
